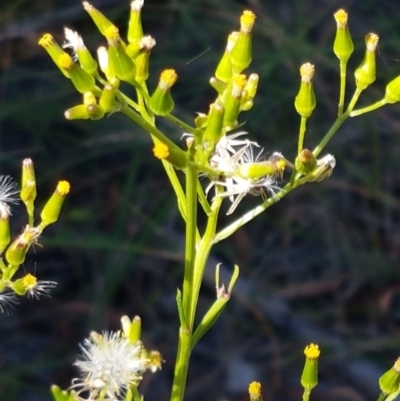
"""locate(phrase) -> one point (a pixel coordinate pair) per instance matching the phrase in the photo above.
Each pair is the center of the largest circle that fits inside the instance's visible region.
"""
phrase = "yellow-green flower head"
(305, 162)
(28, 183)
(83, 81)
(224, 68)
(365, 74)
(213, 131)
(389, 382)
(309, 377)
(32, 287)
(161, 151)
(155, 361)
(343, 46)
(75, 41)
(255, 391)
(247, 21)
(52, 209)
(54, 50)
(161, 102)
(118, 60)
(241, 53)
(143, 57)
(135, 29)
(392, 92)
(305, 101)
(132, 329)
(233, 98)
(102, 22)
(78, 112)
(16, 252)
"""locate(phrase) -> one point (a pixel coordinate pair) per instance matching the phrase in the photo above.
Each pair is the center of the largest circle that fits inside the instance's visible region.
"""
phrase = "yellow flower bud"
(16, 252)
(54, 50)
(135, 29)
(101, 21)
(343, 46)
(78, 112)
(305, 100)
(118, 60)
(161, 102)
(52, 209)
(389, 382)
(241, 53)
(142, 59)
(365, 74)
(233, 97)
(224, 68)
(309, 376)
(392, 93)
(255, 391)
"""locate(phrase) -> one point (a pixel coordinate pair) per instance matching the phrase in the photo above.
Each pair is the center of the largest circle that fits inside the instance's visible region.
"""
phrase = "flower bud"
(343, 46)
(305, 162)
(249, 92)
(241, 53)
(83, 81)
(5, 237)
(132, 329)
(78, 112)
(107, 98)
(389, 382)
(392, 93)
(161, 102)
(95, 112)
(22, 285)
(256, 170)
(52, 209)
(305, 100)
(135, 29)
(218, 85)
(16, 252)
(255, 391)
(164, 152)
(233, 96)
(365, 74)
(213, 131)
(54, 50)
(28, 181)
(201, 120)
(309, 376)
(224, 68)
(86, 60)
(105, 67)
(118, 60)
(143, 57)
(101, 21)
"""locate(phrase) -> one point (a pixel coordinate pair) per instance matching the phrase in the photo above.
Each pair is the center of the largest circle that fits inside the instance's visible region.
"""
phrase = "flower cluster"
(14, 252)
(112, 364)
(241, 171)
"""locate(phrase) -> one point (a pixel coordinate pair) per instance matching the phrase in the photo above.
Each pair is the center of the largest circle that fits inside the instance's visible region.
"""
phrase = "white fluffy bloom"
(7, 300)
(109, 365)
(8, 190)
(228, 159)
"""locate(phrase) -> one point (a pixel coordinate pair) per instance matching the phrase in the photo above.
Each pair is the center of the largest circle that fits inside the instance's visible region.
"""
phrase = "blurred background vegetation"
(321, 266)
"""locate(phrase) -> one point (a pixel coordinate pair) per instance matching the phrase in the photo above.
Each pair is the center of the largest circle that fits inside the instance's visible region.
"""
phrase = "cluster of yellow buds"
(13, 253)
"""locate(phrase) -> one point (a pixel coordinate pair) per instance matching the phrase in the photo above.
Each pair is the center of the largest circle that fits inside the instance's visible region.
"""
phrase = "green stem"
(367, 109)
(190, 244)
(302, 131)
(306, 395)
(381, 397)
(152, 130)
(342, 87)
(181, 365)
(354, 99)
(203, 252)
(328, 136)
